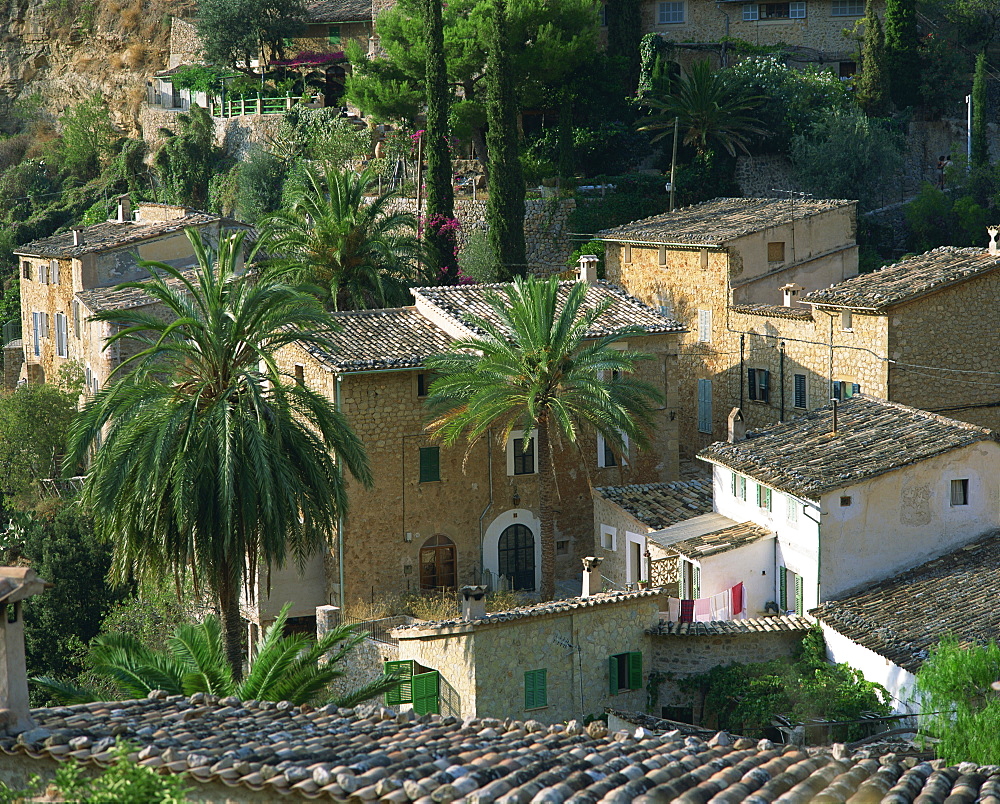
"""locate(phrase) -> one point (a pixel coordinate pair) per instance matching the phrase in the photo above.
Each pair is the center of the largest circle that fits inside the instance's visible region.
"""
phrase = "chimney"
(16, 584)
(78, 237)
(473, 603)
(124, 209)
(993, 232)
(737, 427)
(587, 268)
(591, 576)
(789, 292)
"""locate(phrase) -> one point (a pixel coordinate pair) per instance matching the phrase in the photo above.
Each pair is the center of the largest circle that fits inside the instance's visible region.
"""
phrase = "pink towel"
(737, 593)
(703, 608)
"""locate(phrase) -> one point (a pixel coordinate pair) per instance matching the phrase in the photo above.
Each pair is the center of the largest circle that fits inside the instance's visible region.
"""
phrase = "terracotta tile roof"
(732, 627)
(295, 753)
(114, 298)
(902, 618)
(721, 541)
(459, 301)
(538, 610)
(773, 311)
(659, 505)
(907, 279)
(339, 11)
(110, 235)
(719, 221)
(369, 340)
(873, 437)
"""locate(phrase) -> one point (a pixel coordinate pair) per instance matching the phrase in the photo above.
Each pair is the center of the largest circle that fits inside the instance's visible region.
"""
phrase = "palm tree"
(711, 111)
(212, 460)
(356, 251)
(534, 367)
(284, 667)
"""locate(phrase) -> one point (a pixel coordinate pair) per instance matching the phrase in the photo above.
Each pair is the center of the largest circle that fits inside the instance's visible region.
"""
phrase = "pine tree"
(872, 87)
(439, 229)
(980, 146)
(505, 206)
(901, 57)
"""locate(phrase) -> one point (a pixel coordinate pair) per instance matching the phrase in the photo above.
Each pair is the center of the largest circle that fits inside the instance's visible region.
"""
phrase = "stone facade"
(185, 44)
(697, 285)
(573, 647)
(613, 527)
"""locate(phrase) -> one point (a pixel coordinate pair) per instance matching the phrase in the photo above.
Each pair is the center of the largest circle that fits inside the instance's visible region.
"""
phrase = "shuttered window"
(62, 335)
(426, 693)
(55, 272)
(759, 382)
(799, 395)
(536, 693)
(783, 589)
(704, 406)
(76, 318)
(430, 464)
(704, 326)
(763, 497)
(799, 597)
(36, 333)
(624, 672)
(404, 692)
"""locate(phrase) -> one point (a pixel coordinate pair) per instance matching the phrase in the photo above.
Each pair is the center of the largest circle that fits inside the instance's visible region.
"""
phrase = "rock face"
(64, 52)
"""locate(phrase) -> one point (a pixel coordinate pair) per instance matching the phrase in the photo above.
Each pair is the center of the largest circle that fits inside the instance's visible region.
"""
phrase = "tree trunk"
(546, 482)
(232, 624)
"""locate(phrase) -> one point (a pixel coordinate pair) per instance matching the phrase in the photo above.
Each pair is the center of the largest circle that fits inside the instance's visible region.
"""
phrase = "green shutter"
(404, 692)
(613, 675)
(696, 592)
(682, 590)
(767, 499)
(735, 484)
(535, 689)
(635, 670)
(430, 464)
(782, 589)
(333, 34)
(425, 693)
(798, 594)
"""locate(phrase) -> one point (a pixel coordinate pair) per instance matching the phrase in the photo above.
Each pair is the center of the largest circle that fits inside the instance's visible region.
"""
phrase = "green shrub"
(635, 196)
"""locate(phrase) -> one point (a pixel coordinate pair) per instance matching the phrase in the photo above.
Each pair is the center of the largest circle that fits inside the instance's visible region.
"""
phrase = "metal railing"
(235, 107)
(377, 630)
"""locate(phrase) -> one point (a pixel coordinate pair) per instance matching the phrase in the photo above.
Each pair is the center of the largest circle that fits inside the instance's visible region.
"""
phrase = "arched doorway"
(517, 557)
(438, 564)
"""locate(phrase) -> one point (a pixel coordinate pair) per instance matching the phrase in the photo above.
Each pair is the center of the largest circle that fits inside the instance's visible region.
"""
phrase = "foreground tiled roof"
(659, 505)
(715, 223)
(290, 753)
(115, 298)
(339, 11)
(367, 340)
(458, 302)
(873, 437)
(907, 279)
(537, 610)
(773, 311)
(721, 541)
(110, 235)
(903, 617)
(732, 627)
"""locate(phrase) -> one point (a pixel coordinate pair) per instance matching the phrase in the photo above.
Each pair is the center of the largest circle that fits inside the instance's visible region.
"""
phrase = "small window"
(609, 537)
(430, 464)
(562, 547)
(663, 255)
(62, 335)
(847, 8)
(750, 12)
(26, 270)
(423, 384)
(704, 326)
(763, 497)
(300, 374)
(54, 272)
(627, 254)
(799, 391)
(791, 509)
(670, 13)
(960, 492)
(847, 321)
(524, 456)
(776, 251)
(624, 672)
(606, 457)
(797, 11)
(704, 406)
(76, 318)
(333, 34)
(739, 487)
(759, 381)
(536, 689)
(845, 501)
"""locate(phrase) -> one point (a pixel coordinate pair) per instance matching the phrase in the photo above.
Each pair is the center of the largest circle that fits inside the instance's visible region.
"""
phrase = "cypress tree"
(505, 206)
(872, 89)
(980, 146)
(439, 229)
(901, 57)
(624, 38)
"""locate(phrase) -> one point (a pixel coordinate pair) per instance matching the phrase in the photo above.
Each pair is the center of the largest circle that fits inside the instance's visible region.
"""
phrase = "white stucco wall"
(305, 590)
(899, 682)
(753, 564)
(901, 519)
(491, 539)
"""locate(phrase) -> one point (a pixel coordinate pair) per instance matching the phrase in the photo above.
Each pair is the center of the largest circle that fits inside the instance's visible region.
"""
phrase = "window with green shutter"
(536, 694)
(624, 672)
(333, 34)
(799, 607)
(763, 497)
(430, 464)
(426, 693)
(404, 692)
(783, 589)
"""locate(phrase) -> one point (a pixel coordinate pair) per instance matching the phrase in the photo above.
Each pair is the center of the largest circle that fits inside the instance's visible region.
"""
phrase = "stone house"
(438, 517)
(68, 277)
(903, 333)
(853, 494)
(699, 261)
(887, 630)
(624, 516)
(807, 31)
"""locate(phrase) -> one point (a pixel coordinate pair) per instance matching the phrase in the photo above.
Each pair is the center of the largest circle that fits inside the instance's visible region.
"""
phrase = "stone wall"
(607, 514)
(185, 44)
(234, 134)
(761, 176)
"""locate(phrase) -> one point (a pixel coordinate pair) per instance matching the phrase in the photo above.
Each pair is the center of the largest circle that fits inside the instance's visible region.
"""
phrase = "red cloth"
(737, 596)
(687, 611)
